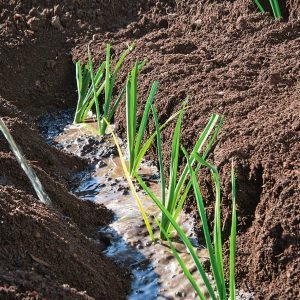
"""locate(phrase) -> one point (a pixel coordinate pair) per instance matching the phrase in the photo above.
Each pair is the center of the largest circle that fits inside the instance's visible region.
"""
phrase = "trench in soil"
(154, 270)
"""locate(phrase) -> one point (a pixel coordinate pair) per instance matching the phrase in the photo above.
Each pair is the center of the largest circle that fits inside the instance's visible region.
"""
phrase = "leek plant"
(130, 183)
(275, 8)
(134, 137)
(84, 88)
(136, 149)
(217, 289)
(174, 196)
(91, 85)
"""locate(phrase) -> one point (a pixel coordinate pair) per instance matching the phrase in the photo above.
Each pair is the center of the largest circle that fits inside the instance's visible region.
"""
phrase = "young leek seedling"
(174, 195)
(104, 82)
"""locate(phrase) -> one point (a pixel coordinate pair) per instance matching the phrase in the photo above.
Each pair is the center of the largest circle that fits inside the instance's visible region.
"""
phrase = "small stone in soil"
(125, 192)
(180, 294)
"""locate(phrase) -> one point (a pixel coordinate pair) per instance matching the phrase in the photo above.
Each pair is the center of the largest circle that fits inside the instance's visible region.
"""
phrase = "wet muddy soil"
(154, 270)
(226, 56)
(47, 251)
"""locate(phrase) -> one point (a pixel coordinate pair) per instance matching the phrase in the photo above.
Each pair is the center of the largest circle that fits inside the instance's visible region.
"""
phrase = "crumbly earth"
(227, 57)
(233, 61)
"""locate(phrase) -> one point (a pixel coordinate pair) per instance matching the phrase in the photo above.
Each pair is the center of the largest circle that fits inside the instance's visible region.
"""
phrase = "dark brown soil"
(226, 56)
(45, 252)
(232, 61)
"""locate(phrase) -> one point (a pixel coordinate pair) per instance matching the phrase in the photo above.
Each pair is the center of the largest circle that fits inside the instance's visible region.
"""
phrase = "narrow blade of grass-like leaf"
(130, 137)
(260, 7)
(142, 64)
(30, 173)
(141, 154)
(88, 100)
(97, 79)
(217, 272)
(149, 141)
(144, 121)
(184, 268)
(84, 92)
(130, 183)
(107, 81)
(78, 76)
(116, 104)
(79, 90)
(100, 73)
(276, 9)
(182, 198)
(197, 148)
(217, 223)
(160, 160)
(108, 90)
(90, 104)
(133, 91)
(213, 138)
(232, 291)
(121, 60)
(173, 171)
(86, 78)
(131, 98)
(112, 83)
(182, 236)
(94, 89)
(179, 206)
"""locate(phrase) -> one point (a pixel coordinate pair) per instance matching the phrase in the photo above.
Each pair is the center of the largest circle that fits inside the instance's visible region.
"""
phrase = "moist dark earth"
(227, 57)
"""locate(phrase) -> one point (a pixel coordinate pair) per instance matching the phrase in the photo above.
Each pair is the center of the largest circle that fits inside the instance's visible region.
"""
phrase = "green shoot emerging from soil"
(135, 137)
(214, 245)
(130, 183)
(90, 86)
(174, 196)
(275, 8)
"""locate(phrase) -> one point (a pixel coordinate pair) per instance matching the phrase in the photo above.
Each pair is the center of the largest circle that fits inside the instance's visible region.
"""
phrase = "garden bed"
(226, 56)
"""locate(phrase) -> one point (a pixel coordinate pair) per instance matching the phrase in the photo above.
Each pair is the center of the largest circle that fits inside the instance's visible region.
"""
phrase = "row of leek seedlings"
(214, 246)
(168, 216)
(137, 149)
(91, 85)
(275, 8)
(174, 195)
(137, 139)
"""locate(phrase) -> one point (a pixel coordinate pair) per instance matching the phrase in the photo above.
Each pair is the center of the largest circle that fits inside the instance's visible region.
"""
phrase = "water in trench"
(155, 272)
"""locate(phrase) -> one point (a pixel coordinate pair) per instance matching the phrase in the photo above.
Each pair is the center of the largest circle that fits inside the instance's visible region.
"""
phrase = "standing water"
(155, 272)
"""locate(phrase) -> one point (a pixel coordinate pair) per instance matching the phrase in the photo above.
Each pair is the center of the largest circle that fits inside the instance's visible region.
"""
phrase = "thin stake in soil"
(37, 185)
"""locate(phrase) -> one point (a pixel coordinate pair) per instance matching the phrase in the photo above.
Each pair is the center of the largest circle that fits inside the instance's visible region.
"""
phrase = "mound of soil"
(233, 61)
(43, 255)
(46, 252)
(226, 56)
